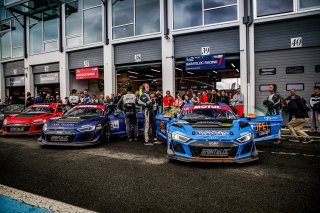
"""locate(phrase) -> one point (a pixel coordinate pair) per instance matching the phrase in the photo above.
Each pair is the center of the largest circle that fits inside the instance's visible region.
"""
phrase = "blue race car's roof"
(219, 104)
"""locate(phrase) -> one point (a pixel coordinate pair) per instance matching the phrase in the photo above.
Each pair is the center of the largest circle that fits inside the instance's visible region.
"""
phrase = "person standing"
(29, 100)
(101, 99)
(38, 99)
(94, 99)
(58, 99)
(86, 98)
(159, 99)
(293, 95)
(194, 99)
(237, 102)
(48, 99)
(273, 102)
(149, 116)
(214, 97)
(168, 101)
(129, 102)
(178, 102)
(297, 108)
(204, 98)
(73, 99)
(224, 97)
(315, 109)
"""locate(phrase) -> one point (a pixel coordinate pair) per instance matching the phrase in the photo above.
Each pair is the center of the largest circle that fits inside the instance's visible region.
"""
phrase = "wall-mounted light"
(179, 69)
(155, 70)
(233, 65)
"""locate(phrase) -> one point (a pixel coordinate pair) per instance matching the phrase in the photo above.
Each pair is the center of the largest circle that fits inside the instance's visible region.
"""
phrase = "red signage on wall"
(87, 73)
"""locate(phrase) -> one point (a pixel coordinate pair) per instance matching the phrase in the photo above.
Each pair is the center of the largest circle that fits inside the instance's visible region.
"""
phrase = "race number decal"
(163, 128)
(263, 129)
(115, 124)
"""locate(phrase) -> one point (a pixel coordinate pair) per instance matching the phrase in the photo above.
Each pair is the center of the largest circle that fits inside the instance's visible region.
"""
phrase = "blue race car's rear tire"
(105, 134)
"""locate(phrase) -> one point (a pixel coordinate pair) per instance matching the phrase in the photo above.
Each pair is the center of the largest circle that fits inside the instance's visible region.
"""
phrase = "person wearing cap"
(315, 109)
(129, 102)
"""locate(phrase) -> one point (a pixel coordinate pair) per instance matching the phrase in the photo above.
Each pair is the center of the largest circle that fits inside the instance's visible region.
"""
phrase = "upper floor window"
(203, 12)
(83, 22)
(135, 17)
(43, 31)
(11, 38)
(273, 7)
(308, 4)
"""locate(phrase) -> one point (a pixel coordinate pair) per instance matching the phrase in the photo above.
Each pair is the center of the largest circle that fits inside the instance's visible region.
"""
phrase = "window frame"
(296, 10)
(44, 42)
(203, 20)
(82, 25)
(134, 24)
(9, 21)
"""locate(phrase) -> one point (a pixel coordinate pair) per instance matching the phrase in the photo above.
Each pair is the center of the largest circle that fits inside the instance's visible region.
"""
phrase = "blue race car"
(82, 125)
(214, 133)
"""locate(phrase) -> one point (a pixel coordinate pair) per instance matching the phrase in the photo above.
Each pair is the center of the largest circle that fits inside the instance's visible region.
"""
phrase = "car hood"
(226, 130)
(73, 122)
(28, 117)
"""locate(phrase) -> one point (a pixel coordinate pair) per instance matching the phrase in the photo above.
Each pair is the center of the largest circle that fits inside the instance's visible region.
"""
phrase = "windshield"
(39, 109)
(193, 113)
(79, 112)
(13, 108)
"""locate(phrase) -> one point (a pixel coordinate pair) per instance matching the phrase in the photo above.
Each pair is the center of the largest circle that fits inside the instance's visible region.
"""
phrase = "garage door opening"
(136, 75)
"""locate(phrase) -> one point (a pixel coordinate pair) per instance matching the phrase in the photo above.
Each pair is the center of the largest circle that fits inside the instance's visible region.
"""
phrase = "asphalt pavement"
(131, 177)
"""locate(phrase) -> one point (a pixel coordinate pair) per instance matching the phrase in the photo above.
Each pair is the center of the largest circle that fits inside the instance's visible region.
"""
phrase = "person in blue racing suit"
(129, 102)
(149, 115)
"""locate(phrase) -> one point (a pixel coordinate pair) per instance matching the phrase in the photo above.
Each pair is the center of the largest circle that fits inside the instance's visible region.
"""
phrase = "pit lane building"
(103, 45)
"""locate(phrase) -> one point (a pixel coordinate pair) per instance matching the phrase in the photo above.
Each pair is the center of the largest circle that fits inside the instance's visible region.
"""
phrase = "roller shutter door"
(220, 41)
(78, 58)
(14, 68)
(150, 51)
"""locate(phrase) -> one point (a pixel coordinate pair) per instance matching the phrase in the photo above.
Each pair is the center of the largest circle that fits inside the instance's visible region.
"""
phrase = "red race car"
(32, 119)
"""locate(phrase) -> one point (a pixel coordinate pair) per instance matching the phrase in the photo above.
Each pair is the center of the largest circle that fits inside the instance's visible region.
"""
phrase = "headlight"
(39, 121)
(45, 127)
(178, 137)
(5, 122)
(86, 128)
(245, 138)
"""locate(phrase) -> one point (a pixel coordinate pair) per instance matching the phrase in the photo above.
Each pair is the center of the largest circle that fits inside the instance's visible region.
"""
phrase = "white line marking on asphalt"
(127, 156)
(39, 201)
(290, 153)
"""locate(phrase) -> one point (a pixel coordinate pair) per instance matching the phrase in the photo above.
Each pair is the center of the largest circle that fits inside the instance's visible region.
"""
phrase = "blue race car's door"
(118, 125)
(265, 127)
(140, 117)
(162, 123)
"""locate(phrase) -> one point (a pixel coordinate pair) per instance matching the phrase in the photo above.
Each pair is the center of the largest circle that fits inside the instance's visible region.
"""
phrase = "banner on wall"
(205, 62)
(87, 73)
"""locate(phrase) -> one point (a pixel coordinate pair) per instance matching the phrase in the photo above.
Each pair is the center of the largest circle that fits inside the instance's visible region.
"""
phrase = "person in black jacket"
(299, 118)
(29, 100)
(273, 102)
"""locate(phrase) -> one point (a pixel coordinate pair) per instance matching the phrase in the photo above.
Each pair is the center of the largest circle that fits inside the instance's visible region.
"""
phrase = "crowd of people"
(151, 103)
(299, 111)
